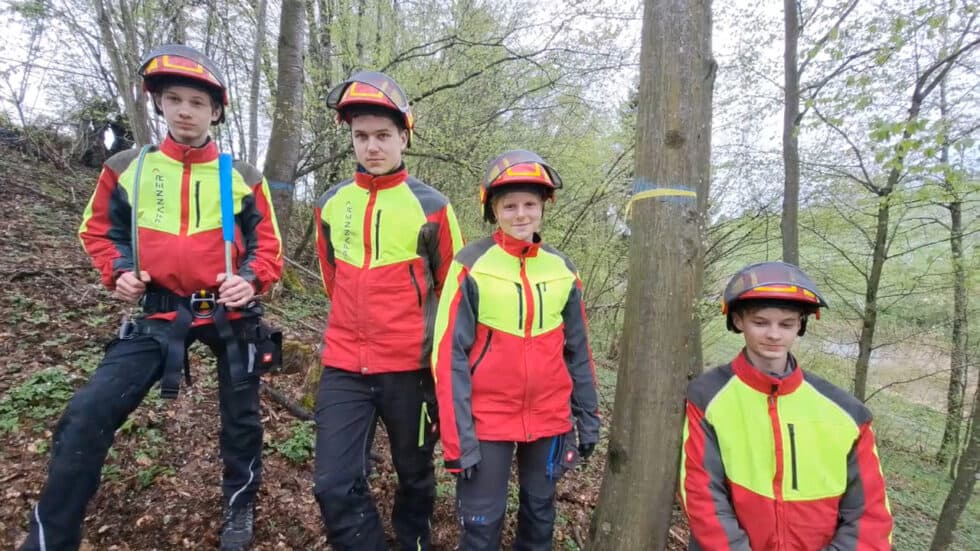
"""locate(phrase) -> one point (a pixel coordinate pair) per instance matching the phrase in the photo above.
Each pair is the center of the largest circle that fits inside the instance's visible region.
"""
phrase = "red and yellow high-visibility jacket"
(780, 464)
(385, 244)
(180, 242)
(512, 358)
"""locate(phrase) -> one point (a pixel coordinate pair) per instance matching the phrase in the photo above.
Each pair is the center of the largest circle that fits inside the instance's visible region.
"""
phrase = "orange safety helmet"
(372, 88)
(772, 281)
(182, 62)
(517, 166)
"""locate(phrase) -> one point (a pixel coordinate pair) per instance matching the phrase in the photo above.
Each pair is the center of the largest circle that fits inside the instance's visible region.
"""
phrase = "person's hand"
(585, 450)
(130, 288)
(469, 472)
(234, 291)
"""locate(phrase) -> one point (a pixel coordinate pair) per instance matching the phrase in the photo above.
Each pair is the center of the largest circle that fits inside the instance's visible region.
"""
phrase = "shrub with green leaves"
(41, 396)
(299, 447)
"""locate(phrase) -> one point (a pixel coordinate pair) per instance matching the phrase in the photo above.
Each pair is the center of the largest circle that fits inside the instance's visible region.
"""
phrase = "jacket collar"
(517, 247)
(187, 154)
(366, 180)
(763, 382)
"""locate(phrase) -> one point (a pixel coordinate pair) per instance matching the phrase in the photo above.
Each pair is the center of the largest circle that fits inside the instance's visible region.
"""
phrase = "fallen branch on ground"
(291, 406)
(302, 268)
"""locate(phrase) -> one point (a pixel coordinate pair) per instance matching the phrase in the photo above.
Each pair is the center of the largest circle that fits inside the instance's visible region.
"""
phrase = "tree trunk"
(957, 358)
(791, 145)
(870, 316)
(661, 344)
(962, 488)
(287, 122)
(931, 77)
(253, 92)
(175, 12)
(132, 94)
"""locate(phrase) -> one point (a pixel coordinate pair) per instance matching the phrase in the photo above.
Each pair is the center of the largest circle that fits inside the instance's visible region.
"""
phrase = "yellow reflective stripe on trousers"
(423, 417)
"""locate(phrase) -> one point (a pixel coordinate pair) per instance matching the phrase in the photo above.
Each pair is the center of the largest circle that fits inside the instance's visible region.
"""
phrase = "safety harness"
(264, 343)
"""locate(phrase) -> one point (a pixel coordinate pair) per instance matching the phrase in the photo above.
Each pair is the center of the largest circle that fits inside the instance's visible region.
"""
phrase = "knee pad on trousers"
(481, 525)
(350, 518)
(342, 504)
(535, 522)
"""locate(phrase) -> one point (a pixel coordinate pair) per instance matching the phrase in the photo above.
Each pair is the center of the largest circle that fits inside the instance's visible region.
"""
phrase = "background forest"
(843, 139)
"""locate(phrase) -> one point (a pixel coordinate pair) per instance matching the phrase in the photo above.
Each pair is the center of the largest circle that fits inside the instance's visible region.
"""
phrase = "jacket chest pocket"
(503, 303)
(815, 457)
(204, 206)
(550, 297)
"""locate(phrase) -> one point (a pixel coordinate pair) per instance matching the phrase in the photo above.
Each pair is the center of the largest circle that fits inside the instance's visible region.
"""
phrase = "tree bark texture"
(287, 122)
(963, 484)
(660, 343)
(958, 370)
(791, 147)
(958, 362)
(253, 91)
(128, 87)
(879, 253)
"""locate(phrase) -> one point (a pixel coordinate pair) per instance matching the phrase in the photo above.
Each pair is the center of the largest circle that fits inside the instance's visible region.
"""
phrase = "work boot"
(237, 530)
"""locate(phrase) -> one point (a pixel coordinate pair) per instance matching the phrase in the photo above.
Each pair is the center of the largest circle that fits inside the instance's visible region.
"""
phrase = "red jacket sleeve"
(704, 491)
(455, 329)
(105, 229)
(324, 251)
(450, 242)
(865, 518)
(262, 262)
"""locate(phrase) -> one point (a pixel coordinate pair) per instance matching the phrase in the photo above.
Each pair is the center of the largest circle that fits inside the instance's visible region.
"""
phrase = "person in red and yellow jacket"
(385, 243)
(512, 361)
(153, 229)
(775, 458)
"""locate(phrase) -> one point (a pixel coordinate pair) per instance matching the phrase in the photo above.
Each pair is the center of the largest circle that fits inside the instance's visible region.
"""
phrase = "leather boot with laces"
(237, 530)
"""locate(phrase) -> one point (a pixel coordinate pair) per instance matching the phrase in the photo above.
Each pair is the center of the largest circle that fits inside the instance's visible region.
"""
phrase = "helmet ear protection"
(180, 64)
(517, 167)
(372, 89)
(772, 283)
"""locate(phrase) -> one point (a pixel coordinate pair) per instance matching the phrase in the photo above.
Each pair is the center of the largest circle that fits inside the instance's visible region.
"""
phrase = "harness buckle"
(127, 329)
(203, 304)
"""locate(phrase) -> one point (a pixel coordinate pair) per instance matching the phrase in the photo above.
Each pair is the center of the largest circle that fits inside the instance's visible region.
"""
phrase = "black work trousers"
(482, 499)
(347, 407)
(87, 428)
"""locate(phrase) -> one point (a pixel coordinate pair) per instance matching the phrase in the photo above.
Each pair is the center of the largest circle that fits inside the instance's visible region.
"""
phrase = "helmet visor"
(519, 166)
(182, 61)
(375, 83)
(776, 280)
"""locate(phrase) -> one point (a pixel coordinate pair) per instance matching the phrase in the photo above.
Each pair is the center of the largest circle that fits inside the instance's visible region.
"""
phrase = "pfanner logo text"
(159, 201)
(348, 231)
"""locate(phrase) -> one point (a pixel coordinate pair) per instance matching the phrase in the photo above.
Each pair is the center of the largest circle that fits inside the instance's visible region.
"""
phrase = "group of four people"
(484, 346)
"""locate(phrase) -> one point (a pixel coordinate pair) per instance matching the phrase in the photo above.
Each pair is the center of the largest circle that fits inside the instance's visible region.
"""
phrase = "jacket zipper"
(777, 482)
(526, 329)
(377, 237)
(792, 453)
(483, 352)
(415, 283)
(197, 204)
(540, 306)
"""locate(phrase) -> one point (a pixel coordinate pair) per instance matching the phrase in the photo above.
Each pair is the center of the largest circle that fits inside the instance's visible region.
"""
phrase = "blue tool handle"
(227, 206)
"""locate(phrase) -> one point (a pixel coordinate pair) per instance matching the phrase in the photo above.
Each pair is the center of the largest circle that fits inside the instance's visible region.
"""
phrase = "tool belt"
(263, 342)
